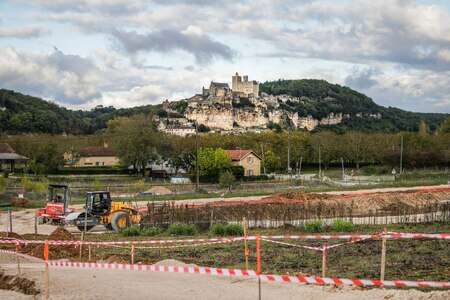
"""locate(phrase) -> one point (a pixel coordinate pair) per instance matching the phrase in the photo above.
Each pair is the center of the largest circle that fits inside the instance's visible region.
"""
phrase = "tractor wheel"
(108, 227)
(80, 223)
(120, 220)
(81, 227)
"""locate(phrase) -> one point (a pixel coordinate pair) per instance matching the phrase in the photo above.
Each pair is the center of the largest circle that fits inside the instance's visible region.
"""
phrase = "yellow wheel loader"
(101, 210)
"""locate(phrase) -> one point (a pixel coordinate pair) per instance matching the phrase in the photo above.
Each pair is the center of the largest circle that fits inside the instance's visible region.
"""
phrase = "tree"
(272, 162)
(227, 180)
(212, 162)
(135, 141)
(423, 128)
(444, 127)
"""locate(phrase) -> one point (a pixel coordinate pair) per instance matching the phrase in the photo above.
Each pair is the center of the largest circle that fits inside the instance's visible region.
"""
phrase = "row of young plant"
(180, 229)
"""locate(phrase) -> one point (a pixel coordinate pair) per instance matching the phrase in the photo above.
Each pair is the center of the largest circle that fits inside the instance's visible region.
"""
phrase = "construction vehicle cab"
(57, 205)
(100, 209)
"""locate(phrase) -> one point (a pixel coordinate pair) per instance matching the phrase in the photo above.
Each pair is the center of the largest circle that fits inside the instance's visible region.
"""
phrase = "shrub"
(182, 229)
(342, 226)
(151, 231)
(217, 229)
(227, 180)
(314, 226)
(234, 229)
(229, 229)
(131, 231)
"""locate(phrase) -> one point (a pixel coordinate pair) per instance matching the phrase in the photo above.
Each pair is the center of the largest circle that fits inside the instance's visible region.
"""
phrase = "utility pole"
(289, 152)
(300, 166)
(343, 170)
(320, 164)
(197, 178)
(263, 158)
(401, 155)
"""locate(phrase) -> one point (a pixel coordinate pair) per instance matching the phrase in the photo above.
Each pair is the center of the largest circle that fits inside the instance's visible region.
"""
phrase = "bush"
(234, 229)
(217, 229)
(131, 231)
(182, 229)
(227, 230)
(151, 231)
(227, 180)
(342, 226)
(314, 226)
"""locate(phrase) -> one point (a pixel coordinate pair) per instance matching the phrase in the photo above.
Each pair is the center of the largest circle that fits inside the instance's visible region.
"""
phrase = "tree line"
(137, 143)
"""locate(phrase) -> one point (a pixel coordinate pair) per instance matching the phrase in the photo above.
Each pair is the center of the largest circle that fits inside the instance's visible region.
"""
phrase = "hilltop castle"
(240, 84)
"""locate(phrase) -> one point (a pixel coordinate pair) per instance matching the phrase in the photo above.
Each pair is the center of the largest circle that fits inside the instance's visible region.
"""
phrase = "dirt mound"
(159, 190)
(18, 284)
(12, 235)
(56, 251)
(61, 234)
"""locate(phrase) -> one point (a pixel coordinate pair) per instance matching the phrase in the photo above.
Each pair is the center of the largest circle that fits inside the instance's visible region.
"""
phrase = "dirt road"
(122, 284)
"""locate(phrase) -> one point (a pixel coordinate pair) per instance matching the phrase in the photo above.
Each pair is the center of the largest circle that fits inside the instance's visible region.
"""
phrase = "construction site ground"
(121, 284)
(23, 220)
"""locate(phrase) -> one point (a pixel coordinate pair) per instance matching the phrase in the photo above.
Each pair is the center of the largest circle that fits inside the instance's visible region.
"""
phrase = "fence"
(276, 215)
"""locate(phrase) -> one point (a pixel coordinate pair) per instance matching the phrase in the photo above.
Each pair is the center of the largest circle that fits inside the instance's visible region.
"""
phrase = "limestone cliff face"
(212, 116)
(226, 117)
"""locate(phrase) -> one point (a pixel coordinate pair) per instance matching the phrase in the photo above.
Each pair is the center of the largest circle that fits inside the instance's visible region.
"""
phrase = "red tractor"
(57, 206)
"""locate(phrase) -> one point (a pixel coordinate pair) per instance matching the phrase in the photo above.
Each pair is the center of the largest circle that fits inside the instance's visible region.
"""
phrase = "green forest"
(318, 98)
(137, 142)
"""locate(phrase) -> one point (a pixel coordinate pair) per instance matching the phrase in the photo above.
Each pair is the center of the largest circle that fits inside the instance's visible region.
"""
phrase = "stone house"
(247, 159)
(95, 157)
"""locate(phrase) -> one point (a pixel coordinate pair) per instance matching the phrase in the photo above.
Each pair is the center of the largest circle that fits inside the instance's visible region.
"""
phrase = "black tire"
(80, 222)
(81, 227)
(108, 227)
(120, 220)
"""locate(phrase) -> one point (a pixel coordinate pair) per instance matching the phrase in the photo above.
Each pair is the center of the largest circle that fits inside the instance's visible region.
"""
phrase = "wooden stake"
(383, 256)
(81, 245)
(35, 225)
(258, 263)
(246, 252)
(18, 260)
(10, 220)
(132, 254)
(46, 274)
(89, 251)
(324, 260)
(258, 254)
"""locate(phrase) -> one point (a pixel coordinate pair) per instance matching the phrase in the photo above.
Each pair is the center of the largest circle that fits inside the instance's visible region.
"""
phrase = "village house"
(94, 157)
(10, 160)
(247, 159)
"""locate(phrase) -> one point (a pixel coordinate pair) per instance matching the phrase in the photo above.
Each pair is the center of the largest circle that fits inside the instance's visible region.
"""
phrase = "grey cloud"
(362, 78)
(201, 46)
(49, 76)
(23, 32)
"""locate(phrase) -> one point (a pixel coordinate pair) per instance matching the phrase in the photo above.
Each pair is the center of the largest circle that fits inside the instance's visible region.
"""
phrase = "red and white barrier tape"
(294, 245)
(350, 237)
(174, 246)
(300, 279)
(22, 255)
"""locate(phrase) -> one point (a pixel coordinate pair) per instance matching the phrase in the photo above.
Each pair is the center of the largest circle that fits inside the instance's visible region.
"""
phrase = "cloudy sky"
(82, 53)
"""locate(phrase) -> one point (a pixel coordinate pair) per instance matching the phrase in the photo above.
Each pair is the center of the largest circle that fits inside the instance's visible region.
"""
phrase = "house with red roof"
(248, 159)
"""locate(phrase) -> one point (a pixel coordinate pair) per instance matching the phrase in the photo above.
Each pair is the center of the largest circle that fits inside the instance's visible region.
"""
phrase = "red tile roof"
(238, 155)
(97, 151)
(6, 148)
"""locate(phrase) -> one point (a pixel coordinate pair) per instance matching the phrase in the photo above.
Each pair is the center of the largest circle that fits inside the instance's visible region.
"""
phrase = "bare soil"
(121, 284)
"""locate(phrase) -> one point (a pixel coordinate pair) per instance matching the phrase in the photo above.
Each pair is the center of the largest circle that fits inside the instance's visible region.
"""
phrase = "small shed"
(9, 159)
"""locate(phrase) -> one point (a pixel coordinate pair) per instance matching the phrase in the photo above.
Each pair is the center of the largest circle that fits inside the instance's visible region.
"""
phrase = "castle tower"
(235, 82)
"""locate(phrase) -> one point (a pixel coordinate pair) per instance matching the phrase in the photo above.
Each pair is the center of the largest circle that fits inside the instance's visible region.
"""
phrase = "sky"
(84, 53)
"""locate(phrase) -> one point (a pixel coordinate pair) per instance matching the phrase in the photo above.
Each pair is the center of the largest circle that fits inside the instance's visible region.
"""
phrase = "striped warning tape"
(300, 279)
(349, 237)
(21, 255)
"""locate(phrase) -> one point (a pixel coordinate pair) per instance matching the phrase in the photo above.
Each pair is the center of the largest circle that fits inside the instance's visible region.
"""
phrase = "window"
(250, 160)
(97, 163)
